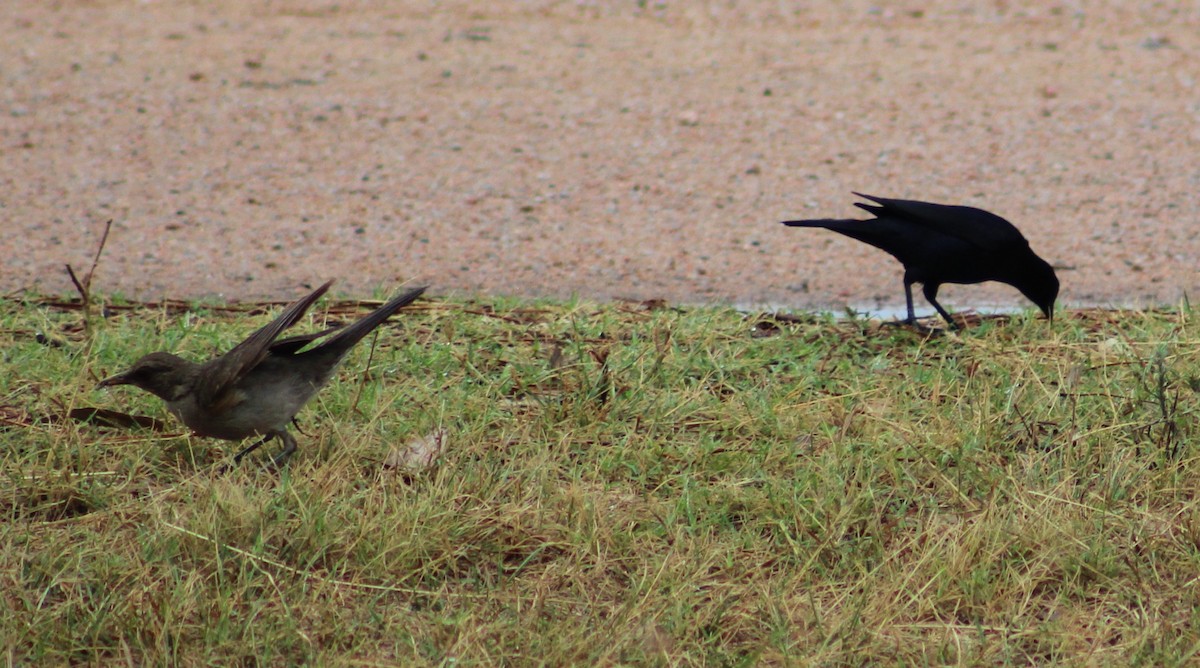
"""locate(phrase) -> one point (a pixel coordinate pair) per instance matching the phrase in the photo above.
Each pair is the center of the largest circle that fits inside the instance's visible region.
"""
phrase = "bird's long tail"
(827, 223)
(875, 232)
(345, 339)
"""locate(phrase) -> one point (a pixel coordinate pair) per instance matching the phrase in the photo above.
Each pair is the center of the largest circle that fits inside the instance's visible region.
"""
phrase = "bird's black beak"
(119, 379)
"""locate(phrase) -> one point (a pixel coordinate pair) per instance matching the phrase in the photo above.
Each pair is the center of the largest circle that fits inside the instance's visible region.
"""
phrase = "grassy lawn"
(618, 484)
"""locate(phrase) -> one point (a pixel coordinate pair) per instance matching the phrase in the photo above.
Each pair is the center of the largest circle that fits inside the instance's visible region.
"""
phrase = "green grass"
(619, 486)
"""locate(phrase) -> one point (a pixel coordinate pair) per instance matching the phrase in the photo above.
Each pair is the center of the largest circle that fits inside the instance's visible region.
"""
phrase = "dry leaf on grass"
(15, 416)
(104, 417)
(418, 454)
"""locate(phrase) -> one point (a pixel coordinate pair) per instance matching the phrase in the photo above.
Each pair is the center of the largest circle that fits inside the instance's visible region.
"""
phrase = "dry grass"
(619, 485)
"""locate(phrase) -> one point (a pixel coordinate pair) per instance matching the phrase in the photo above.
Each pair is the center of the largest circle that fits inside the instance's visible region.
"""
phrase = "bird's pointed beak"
(119, 379)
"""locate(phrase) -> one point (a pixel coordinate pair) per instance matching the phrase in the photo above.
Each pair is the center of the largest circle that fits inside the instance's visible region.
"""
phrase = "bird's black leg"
(912, 315)
(289, 446)
(930, 291)
(907, 299)
(237, 459)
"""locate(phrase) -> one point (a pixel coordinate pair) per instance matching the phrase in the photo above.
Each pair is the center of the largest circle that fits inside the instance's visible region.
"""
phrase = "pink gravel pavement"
(247, 149)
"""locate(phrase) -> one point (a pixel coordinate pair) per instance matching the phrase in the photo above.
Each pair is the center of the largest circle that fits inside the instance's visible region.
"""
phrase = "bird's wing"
(221, 374)
(980, 228)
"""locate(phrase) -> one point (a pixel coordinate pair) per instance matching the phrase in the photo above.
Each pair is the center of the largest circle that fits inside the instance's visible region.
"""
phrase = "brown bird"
(257, 388)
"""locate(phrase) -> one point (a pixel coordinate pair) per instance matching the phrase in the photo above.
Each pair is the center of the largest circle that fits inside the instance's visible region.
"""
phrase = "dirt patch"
(250, 149)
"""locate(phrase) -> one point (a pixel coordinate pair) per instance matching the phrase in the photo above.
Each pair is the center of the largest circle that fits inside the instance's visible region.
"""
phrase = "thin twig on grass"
(85, 286)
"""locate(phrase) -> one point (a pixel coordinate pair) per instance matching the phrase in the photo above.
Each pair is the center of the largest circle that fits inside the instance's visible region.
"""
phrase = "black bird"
(940, 243)
(256, 388)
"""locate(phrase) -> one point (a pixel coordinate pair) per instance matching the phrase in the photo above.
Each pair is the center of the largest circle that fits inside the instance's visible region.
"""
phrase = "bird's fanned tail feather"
(345, 338)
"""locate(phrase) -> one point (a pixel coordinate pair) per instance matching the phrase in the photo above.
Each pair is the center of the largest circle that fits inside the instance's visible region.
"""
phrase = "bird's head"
(162, 374)
(1040, 284)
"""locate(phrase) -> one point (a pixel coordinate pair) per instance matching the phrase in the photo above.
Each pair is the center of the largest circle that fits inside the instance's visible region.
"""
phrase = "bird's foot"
(289, 446)
(907, 322)
(276, 463)
(914, 324)
(280, 459)
(237, 459)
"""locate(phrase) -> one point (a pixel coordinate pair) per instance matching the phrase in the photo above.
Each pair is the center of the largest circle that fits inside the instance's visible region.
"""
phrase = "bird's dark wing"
(221, 374)
(980, 228)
